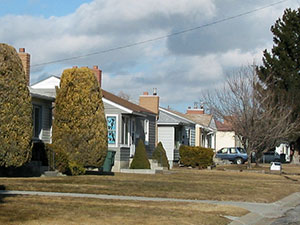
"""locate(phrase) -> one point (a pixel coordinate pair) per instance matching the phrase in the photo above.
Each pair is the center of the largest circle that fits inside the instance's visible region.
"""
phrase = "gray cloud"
(178, 66)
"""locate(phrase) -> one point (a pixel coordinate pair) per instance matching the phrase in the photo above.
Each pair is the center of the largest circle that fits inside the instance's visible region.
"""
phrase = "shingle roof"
(202, 119)
(223, 126)
(124, 103)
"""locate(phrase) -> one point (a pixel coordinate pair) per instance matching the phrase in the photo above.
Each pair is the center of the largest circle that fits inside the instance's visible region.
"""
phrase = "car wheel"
(239, 161)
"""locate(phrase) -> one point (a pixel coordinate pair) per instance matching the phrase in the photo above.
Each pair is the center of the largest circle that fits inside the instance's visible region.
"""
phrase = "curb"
(267, 218)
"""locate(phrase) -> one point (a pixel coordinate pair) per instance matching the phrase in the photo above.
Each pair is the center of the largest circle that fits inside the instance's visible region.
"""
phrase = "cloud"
(179, 66)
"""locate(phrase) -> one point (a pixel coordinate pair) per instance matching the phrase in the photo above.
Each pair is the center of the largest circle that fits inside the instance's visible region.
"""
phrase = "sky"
(179, 66)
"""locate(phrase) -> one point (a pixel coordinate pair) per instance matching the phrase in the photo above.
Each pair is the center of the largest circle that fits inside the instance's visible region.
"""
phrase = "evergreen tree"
(280, 71)
(140, 159)
(15, 110)
(160, 155)
(79, 127)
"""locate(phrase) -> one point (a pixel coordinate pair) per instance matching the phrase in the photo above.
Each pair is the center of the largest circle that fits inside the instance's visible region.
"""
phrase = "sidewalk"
(260, 213)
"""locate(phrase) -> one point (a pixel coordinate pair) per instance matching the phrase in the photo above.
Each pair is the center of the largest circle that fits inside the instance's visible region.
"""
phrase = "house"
(193, 128)
(126, 122)
(225, 136)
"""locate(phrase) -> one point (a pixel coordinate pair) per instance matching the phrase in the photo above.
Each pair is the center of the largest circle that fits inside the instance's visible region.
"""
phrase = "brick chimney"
(195, 110)
(150, 102)
(98, 74)
(25, 58)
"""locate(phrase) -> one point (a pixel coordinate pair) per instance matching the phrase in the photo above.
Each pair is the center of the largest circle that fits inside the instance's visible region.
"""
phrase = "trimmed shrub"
(196, 156)
(160, 155)
(15, 110)
(61, 162)
(76, 169)
(140, 159)
(79, 126)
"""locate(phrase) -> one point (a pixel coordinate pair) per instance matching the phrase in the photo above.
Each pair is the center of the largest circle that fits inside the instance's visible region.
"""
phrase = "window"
(37, 121)
(112, 129)
(146, 131)
(125, 130)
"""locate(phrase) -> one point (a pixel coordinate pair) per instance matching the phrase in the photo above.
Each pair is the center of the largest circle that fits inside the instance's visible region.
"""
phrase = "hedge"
(196, 156)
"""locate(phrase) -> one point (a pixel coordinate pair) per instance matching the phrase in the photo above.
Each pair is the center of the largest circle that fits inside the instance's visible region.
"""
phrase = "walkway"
(260, 213)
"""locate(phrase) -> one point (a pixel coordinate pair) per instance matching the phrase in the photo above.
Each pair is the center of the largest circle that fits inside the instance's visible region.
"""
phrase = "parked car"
(236, 155)
(270, 156)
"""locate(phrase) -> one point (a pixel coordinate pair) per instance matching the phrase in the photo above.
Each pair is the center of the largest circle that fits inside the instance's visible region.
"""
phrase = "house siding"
(46, 120)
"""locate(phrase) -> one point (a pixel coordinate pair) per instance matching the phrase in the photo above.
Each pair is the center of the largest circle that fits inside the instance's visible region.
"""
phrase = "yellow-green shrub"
(196, 156)
(15, 110)
(140, 159)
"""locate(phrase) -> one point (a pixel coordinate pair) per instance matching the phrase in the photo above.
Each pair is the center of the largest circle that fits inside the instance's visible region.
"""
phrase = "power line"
(161, 37)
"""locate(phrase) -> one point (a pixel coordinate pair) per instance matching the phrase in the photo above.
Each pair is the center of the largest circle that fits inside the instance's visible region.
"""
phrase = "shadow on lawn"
(101, 173)
(2, 188)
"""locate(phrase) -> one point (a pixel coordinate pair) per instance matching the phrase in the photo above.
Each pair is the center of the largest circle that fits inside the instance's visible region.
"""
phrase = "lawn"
(62, 210)
(179, 183)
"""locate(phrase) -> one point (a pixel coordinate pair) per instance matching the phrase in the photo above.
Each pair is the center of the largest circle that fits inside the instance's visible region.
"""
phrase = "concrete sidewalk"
(260, 213)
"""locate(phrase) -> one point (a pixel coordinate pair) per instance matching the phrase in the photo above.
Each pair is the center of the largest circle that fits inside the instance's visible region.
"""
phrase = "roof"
(223, 126)
(48, 94)
(202, 119)
(127, 104)
(167, 116)
(48, 82)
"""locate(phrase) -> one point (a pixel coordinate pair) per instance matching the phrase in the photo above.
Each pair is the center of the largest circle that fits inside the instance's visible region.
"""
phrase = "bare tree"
(123, 95)
(248, 107)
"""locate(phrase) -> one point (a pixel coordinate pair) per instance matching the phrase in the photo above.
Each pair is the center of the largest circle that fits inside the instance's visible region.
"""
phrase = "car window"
(242, 150)
(223, 151)
(232, 150)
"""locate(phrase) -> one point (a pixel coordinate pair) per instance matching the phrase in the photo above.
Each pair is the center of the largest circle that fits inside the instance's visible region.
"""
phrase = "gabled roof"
(170, 117)
(202, 119)
(223, 126)
(48, 82)
(53, 81)
(124, 103)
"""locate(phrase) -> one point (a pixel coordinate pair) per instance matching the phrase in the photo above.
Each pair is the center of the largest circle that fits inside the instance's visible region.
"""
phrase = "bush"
(79, 126)
(196, 156)
(160, 155)
(140, 159)
(61, 162)
(15, 110)
(76, 169)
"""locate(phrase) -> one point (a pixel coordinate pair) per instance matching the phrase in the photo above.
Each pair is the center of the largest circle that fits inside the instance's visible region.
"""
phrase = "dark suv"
(270, 156)
(235, 154)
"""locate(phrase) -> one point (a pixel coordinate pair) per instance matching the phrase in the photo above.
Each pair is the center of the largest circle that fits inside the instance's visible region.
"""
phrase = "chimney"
(150, 102)
(98, 74)
(25, 58)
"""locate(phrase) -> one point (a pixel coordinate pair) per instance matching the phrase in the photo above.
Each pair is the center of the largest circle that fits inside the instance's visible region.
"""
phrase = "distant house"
(193, 128)
(126, 122)
(225, 136)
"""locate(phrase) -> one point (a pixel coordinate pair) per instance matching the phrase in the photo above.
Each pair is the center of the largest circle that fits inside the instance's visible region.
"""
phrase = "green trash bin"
(109, 161)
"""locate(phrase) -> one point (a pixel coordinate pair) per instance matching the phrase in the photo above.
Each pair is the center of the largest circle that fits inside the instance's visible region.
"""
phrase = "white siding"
(166, 136)
(225, 139)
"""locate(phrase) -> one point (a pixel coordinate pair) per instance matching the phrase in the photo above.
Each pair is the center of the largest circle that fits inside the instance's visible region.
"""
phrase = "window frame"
(40, 121)
(116, 129)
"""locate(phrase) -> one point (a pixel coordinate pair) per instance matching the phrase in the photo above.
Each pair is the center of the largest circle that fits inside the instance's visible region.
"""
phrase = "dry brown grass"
(181, 183)
(60, 211)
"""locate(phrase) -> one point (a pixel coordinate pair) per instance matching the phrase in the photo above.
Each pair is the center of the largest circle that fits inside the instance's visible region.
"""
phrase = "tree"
(160, 155)
(79, 126)
(140, 159)
(280, 71)
(15, 110)
(257, 122)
